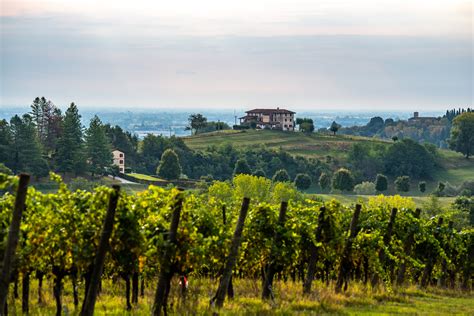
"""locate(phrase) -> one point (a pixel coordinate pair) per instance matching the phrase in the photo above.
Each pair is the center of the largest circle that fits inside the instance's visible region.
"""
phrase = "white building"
(119, 160)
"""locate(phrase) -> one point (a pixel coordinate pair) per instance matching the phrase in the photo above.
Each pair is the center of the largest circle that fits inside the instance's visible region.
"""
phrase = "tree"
(152, 148)
(26, 149)
(260, 173)
(98, 149)
(169, 167)
(302, 181)
(196, 122)
(407, 157)
(402, 184)
(365, 188)
(5, 170)
(462, 134)
(381, 183)
(343, 180)
(5, 143)
(281, 176)
(242, 167)
(422, 186)
(306, 125)
(69, 155)
(324, 181)
(334, 127)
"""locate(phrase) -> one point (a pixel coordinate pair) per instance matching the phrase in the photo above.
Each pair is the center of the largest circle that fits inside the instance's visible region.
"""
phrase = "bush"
(281, 176)
(302, 181)
(409, 158)
(260, 173)
(365, 188)
(169, 167)
(242, 167)
(402, 184)
(343, 180)
(381, 183)
(422, 186)
(324, 181)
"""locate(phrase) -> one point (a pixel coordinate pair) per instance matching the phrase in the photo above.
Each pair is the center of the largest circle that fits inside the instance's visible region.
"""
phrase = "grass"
(289, 300)
(144, 177)
(351, 199)
(314, 145)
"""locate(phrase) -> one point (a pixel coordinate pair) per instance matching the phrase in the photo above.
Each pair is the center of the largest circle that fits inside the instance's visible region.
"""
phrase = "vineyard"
(248, 231)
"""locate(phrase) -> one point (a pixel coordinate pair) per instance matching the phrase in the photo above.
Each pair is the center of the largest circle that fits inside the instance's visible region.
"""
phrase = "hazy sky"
(302, 54)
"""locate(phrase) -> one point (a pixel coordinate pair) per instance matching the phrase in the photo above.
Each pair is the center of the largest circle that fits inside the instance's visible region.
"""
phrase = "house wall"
(119, 160)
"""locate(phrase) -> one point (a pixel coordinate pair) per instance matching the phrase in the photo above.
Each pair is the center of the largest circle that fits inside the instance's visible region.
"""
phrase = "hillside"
(454, 167)
(314, 145)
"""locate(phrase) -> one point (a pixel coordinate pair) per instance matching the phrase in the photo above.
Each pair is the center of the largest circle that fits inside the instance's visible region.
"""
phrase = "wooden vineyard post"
(91, 295)
(313, 259)
(344, 269)
(234, 251)
(166, 270)
(408, 249)
(12, 241)
(386, 241)
(267, 290)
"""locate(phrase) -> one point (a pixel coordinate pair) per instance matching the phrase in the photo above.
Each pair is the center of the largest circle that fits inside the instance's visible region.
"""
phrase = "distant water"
(173, 122)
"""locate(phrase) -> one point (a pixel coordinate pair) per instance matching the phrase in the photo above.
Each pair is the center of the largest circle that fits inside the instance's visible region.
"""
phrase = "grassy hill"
(454, 167)
(314, 145)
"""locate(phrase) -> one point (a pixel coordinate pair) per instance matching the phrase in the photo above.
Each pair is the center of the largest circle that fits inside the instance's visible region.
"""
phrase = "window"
(121, 170)
(121, 162)
(121, 155)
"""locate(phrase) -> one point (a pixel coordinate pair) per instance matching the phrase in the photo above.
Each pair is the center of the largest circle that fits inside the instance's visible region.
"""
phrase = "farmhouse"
(119, 160)
(270, 118)
(417, 118)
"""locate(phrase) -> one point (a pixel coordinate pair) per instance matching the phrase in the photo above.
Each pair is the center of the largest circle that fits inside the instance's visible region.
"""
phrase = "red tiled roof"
(271, 111)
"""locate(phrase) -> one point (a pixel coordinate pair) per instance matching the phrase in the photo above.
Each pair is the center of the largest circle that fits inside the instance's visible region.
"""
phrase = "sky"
(299, 54)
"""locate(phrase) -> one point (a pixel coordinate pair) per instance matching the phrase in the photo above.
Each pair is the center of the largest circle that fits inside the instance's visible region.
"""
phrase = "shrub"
(365, 188)
(302, 181)
(281, 176)
(242, 167)
(169, 167)
(343, 180)
(324, 181)
(260, 173)
(422, 186)
(402, 184)
(381, 183)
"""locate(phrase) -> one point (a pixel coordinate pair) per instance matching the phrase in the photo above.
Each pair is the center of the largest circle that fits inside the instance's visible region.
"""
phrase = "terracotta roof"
(271, 111)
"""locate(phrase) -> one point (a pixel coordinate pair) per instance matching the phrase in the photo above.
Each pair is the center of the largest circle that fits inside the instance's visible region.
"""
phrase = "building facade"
(281, 119)
(119, 160)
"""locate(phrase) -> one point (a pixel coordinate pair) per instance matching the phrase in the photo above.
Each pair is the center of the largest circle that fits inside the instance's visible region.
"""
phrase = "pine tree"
(98, 149)
(26, 149)
(70, 148)
(5, 143)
